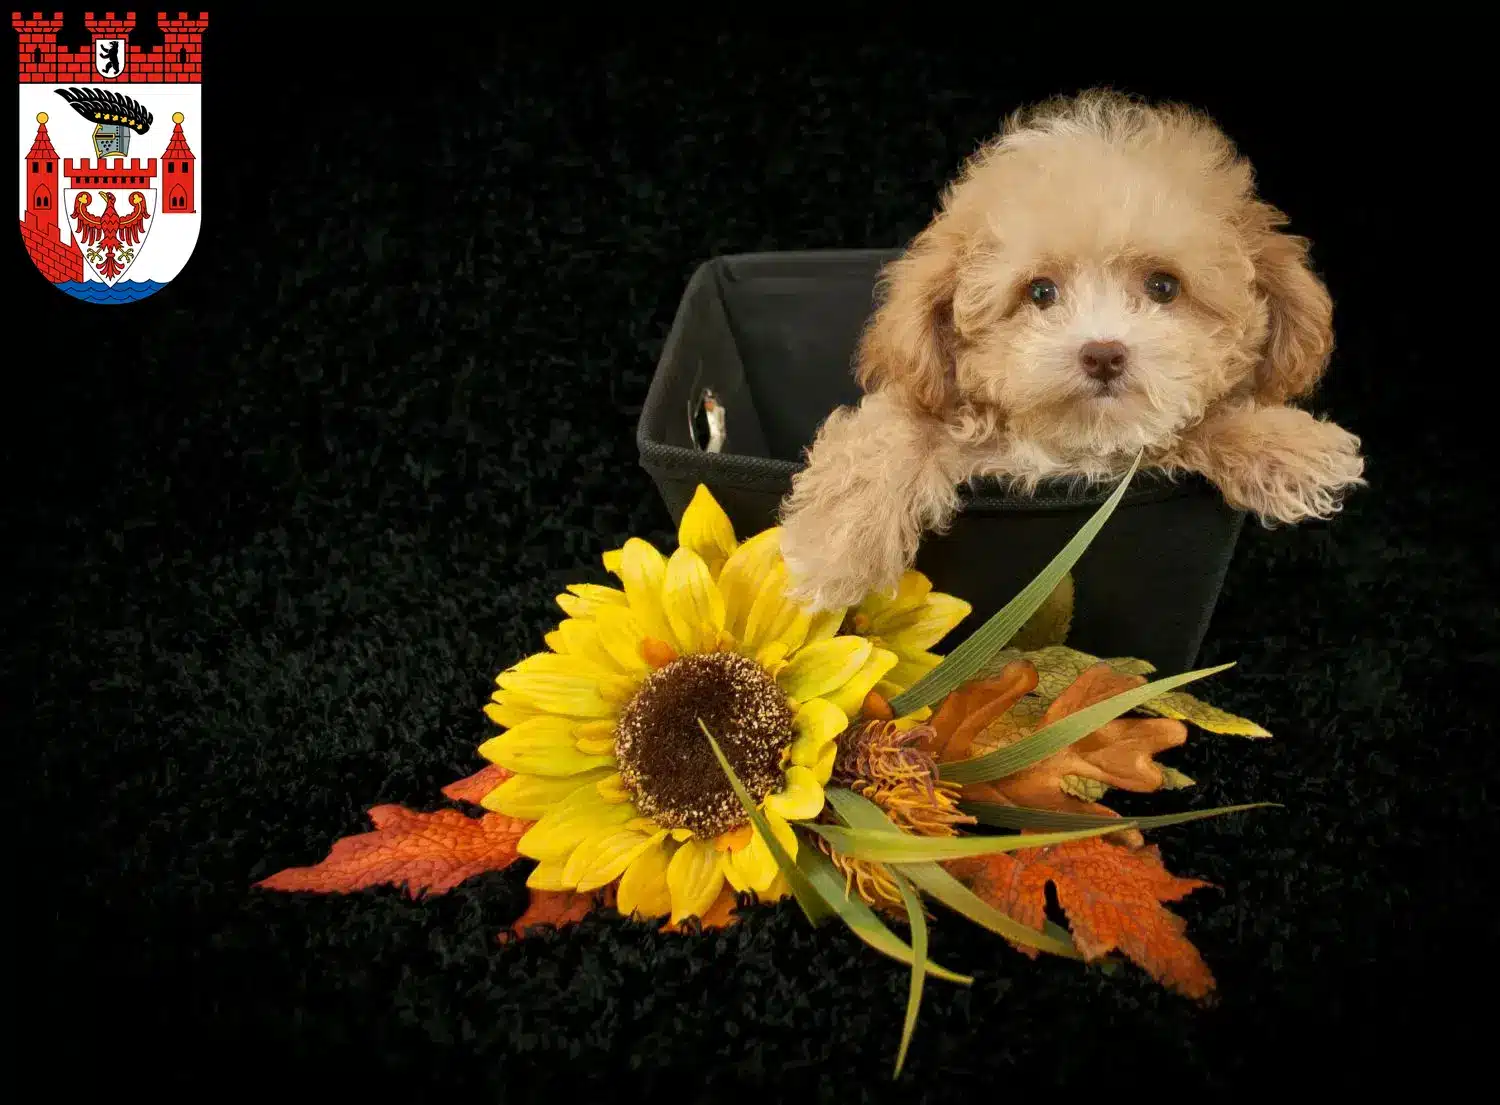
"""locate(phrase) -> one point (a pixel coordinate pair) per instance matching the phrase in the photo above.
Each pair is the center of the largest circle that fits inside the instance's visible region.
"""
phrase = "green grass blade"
(859, 812)
(1015, 817)
(861, 919)
(1051, 739)
(902, 848)
(813, 904)
(918, 972)
(931, 879)
(959, 666)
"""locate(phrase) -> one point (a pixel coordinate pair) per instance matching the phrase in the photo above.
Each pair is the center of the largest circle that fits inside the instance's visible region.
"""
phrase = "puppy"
(1101, 280)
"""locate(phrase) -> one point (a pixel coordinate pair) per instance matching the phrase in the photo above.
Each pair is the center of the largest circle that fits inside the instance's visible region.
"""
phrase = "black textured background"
(273, 532)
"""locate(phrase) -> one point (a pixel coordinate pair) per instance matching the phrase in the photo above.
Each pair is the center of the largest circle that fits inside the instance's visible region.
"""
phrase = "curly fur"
(965, 377)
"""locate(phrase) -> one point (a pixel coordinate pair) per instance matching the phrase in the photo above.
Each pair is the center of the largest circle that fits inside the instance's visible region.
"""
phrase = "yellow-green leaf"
(1129, 665)
(1050, 624)
(1083, 788)
(1057, 668)
(1172, 779)
(1184, 707)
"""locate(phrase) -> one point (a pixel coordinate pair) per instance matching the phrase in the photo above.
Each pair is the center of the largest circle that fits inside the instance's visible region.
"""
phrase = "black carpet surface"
(273, 532)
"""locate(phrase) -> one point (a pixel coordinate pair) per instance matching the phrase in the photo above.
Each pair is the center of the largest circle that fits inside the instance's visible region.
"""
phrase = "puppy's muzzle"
(1103, 361)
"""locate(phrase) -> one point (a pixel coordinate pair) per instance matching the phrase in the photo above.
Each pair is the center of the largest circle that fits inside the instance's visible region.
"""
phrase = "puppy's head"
(1097, 277)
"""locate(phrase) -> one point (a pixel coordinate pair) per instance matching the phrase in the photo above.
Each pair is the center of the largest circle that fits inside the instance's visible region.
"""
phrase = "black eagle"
(100, 105)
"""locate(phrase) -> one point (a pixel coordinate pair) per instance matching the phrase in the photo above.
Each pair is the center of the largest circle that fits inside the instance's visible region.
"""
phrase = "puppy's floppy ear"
(1300, 335)
(908, 345)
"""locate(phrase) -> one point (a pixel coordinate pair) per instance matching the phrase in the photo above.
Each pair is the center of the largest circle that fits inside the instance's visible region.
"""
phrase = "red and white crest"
(110, 151)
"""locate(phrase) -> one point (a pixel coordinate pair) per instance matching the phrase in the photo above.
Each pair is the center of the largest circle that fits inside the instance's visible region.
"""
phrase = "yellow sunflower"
(907, 623)
(602, 730)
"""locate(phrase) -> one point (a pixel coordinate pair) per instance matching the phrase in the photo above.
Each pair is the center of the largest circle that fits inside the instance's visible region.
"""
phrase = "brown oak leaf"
(555, 909)
(473, 789)
(426, 853)
(1113, 900)
(967, 711)
(1119, 753)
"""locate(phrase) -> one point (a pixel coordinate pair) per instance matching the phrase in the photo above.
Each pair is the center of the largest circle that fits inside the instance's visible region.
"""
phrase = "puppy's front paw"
(825, 574)
(1303, 470)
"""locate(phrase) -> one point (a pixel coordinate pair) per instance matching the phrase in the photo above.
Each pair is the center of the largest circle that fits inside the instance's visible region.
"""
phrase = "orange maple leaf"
(1113, 900)
(426, 853)
(556, 908)
(476, 786)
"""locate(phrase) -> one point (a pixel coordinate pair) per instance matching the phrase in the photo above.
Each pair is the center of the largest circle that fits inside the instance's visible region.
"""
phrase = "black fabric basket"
(773, 336)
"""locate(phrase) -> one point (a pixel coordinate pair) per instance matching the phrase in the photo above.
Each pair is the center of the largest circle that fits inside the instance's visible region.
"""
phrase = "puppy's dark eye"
(1042, 291)
(1163, 287)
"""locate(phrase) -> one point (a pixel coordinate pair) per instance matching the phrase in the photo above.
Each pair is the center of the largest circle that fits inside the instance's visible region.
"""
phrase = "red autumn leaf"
(476, 786)
(556, 908)
(427, 853)
(1113, 899)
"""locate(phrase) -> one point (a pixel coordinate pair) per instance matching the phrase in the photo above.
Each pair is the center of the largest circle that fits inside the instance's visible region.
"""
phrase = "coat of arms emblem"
(111, 171)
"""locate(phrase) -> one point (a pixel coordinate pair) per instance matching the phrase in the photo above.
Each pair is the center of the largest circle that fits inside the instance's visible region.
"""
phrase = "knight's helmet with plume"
(114, 116)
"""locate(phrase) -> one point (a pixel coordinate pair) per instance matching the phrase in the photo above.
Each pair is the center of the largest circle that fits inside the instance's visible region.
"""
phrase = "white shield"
(110, 56)
(110, 226)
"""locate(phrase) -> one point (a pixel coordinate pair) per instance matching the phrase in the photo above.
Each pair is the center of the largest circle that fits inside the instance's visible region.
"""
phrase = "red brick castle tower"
(41, 60)
(60, 263)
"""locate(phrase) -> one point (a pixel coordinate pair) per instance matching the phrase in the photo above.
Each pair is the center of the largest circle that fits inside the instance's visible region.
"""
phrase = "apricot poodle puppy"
(1100, 281)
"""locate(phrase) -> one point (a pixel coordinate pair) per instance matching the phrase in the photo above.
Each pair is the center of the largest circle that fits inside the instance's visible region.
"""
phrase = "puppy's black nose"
(1103, 360)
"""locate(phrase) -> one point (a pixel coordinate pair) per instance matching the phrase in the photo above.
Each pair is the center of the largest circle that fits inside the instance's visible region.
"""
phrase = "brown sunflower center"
(667, 763)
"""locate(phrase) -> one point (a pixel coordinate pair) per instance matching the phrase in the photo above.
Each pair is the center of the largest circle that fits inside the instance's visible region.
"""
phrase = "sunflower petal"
(706, 529)
(692, 603)
(742, 575)
(817, 724)
(506, 710)
(612, 788)
(584, 638)
(822, 668)
(542, 746)
(552, 663)
(620, 635)
(548, 875)
(912, 667)
(643, 571)
(694, 879)
(602, 859)
(751, 867)
(801, 799)
(823, 769)
(825, 625)
(928, 625)
(557, 685)
(774, 618)
(851, 696)
(577, 817)
(643, 886)
(530, 797)
(584, 600)
(881, 608)
(602, 744)
(754, 865)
